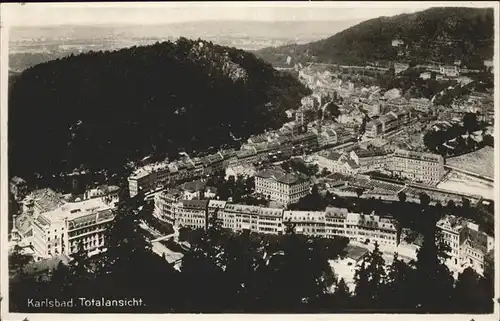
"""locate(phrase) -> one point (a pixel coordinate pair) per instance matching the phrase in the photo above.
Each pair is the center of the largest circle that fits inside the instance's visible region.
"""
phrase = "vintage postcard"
(254, 158)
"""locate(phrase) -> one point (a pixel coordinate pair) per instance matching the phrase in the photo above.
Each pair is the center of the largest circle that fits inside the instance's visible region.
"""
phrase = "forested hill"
(435, 35)
(101, 109)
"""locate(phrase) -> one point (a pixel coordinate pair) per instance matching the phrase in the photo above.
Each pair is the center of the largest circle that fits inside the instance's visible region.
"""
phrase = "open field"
(480, 162)
(462, 183)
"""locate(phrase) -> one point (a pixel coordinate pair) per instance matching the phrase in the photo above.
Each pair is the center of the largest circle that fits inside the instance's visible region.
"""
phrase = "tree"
(432, 282)
(333, 110)
(370, 280)
(342, 296)
(424, 200)
(469, 295)
(470, 122)
(402, 196)
(396, 296)
(18, 260)
(450, 207)
(80, 272)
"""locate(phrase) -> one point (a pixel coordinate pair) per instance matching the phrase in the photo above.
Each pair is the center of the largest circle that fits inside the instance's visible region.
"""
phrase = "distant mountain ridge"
(442, 35)
(29, 46)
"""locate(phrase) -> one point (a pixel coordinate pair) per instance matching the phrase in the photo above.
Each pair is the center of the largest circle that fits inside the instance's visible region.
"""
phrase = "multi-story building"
(165, 174)
(335, 219)
(422, 105)
(166, 204)
(404, 117)
(468, 246)
(257, 219)
(239, 217)
(397, 103)
(371, 159)
(61, 230)
(215, 207)
(146, 178)
(270, 221)
(246, 157)
(424, 167)
(361, 227)
(280, 186)
(400, 67)
(304, 142)
(192, 214)
(389, 122)
(311, 223)
(327, 137)
(374, 128)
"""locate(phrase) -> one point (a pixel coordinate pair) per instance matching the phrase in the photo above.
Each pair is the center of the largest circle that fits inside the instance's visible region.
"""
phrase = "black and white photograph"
(249, 158)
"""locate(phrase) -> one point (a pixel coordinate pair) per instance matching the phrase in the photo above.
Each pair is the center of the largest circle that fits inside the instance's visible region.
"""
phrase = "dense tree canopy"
(99, 110)
(437, 34)
(243, 272)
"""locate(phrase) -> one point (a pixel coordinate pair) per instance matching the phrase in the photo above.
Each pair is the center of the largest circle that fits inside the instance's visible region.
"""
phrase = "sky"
(50, 14)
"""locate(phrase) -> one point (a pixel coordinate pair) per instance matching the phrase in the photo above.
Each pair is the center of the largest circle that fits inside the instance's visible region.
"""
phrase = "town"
(359, 143)
(351, 173)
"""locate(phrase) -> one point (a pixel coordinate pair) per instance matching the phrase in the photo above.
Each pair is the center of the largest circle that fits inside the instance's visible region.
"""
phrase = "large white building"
(468, 246)
(280, 186)
(310, 223)
(265, 220)
(192, 213)
(424, 167)
(54, 224)
(256, 219)
(60, 231)
(362, 227)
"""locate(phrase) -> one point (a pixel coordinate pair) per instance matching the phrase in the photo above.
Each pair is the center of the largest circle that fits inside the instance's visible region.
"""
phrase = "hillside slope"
(439, 35)
(101, 109)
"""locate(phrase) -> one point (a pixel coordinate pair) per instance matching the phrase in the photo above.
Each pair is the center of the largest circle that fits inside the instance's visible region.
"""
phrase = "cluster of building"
(53, 224)
(469, 247)
(327, 224)
(281, 187)
(386, 123)
(296, 137)
(449, 71)
(415, 166)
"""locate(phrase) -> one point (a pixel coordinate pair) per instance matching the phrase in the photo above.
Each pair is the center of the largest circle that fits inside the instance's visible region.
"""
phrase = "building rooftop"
(45, 266)
(195, 204)
(281, 176)
(194, 186)
(45, 199)
(240, 208)
(245, 153)
(335, 212)
(356, 253)
(271, 212)
(75, 210)
(476, 239)
(418, 155)
(216, 204)
(369, 153)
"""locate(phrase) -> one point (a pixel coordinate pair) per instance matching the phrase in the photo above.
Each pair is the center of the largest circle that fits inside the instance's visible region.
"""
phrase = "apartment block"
(468, 246)
(424, 167)
(280, 186)
(61, 230)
